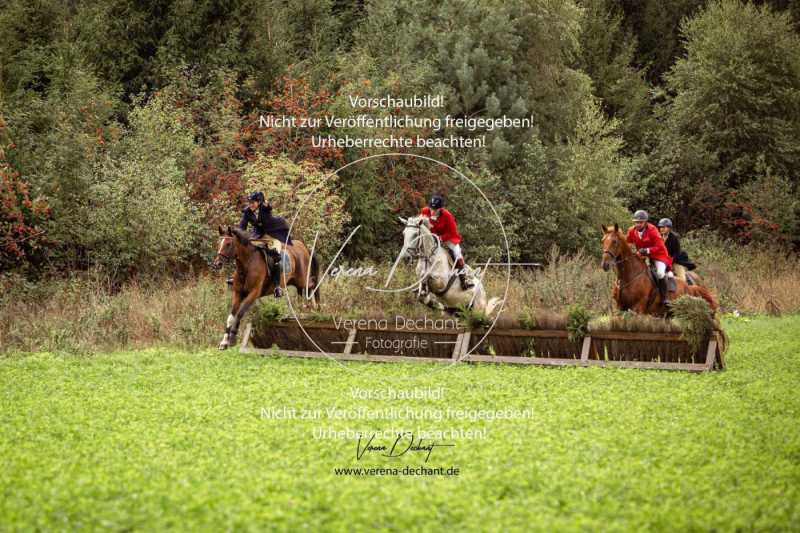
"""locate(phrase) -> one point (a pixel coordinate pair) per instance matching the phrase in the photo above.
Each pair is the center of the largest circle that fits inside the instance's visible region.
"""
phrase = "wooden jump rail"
(593, 349)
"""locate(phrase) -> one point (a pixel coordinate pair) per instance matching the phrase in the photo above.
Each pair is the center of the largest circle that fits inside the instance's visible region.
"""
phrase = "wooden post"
(462, 345)
(244, 346)
(351, 339)
(711, 353)
(720, 354)
(587, 343)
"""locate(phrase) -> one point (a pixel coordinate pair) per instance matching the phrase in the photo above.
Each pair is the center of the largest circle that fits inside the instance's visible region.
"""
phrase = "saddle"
(451, 261)
(274, 253)
(672, 285)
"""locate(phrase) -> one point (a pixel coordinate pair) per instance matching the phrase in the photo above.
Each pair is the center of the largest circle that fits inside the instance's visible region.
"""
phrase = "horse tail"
(705, 294)
(315, 274)
(490, 306)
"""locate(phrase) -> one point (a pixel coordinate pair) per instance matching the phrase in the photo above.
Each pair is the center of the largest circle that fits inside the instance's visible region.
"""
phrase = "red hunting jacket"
(651, 240)
(444, 226)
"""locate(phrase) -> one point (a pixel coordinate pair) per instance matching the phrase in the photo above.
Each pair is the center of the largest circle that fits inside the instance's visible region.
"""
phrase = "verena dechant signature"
(403, 444)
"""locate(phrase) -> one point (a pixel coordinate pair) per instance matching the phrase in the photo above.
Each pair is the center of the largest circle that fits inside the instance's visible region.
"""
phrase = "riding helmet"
(256, 197)
(436, 202)
(665, 223)
(641, 216)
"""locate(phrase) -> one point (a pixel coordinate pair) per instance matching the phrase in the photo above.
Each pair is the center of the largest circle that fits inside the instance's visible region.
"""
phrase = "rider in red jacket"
(648, 241)
(443, 225)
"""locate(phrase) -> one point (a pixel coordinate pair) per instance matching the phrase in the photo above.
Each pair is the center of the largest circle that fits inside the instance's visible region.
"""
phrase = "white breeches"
(661, 269)
(455, 248)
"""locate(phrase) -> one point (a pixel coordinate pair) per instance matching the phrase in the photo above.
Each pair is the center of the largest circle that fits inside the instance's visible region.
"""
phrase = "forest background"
(129, 130)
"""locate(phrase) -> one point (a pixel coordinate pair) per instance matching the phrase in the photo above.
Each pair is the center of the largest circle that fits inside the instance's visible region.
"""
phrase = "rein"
(618, 262)
(418, 253)
(415, 252)
(234, 256)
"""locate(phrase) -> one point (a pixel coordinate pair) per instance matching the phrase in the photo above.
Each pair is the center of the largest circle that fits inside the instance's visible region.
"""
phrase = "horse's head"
(416, 228)
(614, 246)
(226, 249)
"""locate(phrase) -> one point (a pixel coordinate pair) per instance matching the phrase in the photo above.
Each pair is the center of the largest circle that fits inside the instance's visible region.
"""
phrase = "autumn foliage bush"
(21, 217)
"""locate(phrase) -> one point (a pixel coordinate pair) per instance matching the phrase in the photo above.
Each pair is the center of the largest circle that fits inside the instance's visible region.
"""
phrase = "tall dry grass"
(756, 278)
(85, 313)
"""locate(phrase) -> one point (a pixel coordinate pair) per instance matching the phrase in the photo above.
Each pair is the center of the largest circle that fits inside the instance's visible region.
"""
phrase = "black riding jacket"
(679, 256)
(265, 224)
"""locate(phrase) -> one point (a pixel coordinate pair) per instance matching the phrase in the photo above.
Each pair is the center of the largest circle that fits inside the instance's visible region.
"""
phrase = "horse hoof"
(223, 346)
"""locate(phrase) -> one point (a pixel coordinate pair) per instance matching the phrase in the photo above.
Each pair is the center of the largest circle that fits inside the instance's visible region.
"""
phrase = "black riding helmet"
(436, 202)
(256, 197)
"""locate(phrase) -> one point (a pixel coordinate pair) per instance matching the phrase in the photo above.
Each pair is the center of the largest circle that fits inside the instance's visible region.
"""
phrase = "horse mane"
(413, 221)
(624, 238)
(243, 236)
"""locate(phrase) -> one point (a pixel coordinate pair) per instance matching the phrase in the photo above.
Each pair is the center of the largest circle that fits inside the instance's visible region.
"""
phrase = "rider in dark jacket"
(680, 259)
(259, 215)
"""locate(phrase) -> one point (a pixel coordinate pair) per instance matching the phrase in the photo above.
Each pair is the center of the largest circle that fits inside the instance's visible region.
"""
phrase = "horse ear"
(228, 231)
(403, 220)
(603, 228)
(221, 231)
(616, 226)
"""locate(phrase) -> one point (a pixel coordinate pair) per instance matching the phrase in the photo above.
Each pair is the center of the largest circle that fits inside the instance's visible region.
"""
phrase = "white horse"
(436, 278)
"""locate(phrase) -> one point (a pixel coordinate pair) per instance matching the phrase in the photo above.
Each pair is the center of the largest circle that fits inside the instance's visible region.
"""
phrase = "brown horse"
(635, 290)
(252, 279)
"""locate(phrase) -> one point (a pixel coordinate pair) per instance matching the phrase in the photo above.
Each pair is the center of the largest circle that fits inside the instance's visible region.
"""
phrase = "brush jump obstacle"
(547, 347)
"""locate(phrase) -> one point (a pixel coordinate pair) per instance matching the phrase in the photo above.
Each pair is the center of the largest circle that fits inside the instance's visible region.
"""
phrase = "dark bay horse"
(252, 279)
(635, 290)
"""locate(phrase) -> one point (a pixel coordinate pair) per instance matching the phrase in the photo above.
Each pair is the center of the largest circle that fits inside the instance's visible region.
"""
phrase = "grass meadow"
(166, 438)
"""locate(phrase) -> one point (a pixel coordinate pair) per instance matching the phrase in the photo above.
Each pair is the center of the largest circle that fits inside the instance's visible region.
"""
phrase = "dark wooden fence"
(625, 349)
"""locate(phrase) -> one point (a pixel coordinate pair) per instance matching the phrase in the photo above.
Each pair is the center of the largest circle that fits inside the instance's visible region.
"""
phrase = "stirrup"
(278, 292)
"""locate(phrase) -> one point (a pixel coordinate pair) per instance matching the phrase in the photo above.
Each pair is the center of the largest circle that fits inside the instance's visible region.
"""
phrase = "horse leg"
(427, 299)
(479, 300)
(226, 339)
(314, 266)
(243, 308)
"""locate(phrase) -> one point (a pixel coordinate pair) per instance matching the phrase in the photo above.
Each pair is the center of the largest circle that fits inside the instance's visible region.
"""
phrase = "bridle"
(418, 251)
(219, 250)
(618, 262)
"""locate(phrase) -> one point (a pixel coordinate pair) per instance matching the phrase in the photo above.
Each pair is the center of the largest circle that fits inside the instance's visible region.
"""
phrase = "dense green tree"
(562, 193)
(656, 25)
(735, 114)
(608, 57)
(737, 93)
(137, 215)
(106, 99)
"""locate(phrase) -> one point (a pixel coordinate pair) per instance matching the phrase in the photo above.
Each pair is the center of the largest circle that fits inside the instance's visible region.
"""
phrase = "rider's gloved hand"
(644, 251)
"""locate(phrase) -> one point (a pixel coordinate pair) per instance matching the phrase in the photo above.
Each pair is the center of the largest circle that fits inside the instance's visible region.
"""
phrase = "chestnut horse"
(252, 279)
(635, 289)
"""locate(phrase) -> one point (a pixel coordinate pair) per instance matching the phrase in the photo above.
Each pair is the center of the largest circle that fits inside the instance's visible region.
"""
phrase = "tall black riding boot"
(662, 288)
(275, 272)
(462, 276)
